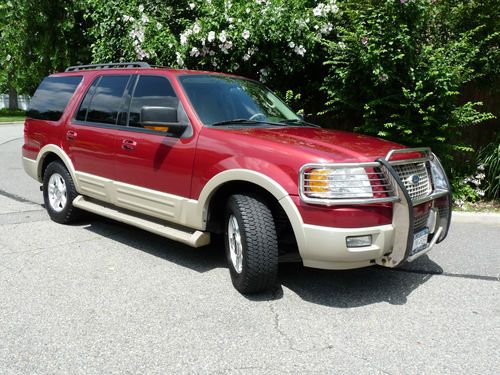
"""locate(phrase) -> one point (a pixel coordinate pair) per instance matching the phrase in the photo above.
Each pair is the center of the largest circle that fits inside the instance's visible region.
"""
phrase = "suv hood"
(327, 145)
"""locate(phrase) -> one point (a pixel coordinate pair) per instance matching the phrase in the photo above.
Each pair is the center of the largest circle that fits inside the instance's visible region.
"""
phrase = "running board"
(195, 238)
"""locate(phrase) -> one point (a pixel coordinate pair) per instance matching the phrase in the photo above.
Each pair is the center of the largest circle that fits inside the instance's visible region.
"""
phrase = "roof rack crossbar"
(137, 64)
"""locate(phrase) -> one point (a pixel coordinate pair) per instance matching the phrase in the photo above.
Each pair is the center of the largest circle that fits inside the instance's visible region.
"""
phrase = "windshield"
(221, 100)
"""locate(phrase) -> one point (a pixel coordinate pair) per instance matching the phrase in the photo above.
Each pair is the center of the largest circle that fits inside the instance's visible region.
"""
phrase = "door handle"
(128, 144)
(71, 135)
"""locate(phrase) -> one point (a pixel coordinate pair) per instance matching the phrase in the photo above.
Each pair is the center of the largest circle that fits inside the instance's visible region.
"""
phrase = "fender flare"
(257, 178)
(51, 148)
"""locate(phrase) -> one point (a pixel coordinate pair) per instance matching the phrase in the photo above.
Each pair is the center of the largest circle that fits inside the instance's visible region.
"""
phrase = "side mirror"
(162, 119)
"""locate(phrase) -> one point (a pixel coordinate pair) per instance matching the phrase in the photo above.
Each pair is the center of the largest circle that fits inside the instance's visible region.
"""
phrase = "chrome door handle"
(128, 144)
(71, 135)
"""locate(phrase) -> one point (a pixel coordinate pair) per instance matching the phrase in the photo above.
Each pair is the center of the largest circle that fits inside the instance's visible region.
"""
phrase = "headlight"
(438, 175)
(337, 183)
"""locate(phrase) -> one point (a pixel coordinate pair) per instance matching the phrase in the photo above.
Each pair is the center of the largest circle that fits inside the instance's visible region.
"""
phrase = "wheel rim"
(57, 192)
(235, 245)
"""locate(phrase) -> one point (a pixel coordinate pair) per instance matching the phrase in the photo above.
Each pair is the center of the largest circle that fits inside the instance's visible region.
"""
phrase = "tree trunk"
(13, 104)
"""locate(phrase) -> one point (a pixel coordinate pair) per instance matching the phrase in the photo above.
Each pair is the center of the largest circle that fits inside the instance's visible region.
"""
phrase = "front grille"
(407, 173)
(421, 221)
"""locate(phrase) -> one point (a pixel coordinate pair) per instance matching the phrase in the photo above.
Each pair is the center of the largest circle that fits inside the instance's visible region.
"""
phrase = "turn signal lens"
(318, 181)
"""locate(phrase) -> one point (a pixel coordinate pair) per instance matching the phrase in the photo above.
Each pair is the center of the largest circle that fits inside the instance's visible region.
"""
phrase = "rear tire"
(58, 194)
(251, 244)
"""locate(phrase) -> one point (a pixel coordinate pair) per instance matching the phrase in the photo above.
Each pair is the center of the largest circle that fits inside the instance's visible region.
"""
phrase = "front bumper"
(392, 245)
(325, 247)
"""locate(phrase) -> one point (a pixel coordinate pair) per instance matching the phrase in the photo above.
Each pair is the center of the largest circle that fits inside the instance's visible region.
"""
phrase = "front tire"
(251, 244)
(58, 194)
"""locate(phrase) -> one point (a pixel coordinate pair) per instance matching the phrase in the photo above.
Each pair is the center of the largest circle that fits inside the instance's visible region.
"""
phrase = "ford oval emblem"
(414, 179)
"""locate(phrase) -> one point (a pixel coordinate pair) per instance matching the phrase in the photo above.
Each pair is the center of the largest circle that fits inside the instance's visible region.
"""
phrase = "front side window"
(102, 101)
(52, 97)
(217, 99)
(155, 92)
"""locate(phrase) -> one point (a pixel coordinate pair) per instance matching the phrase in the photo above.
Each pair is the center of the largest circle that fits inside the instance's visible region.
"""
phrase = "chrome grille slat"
(420, 222)
(423, 187)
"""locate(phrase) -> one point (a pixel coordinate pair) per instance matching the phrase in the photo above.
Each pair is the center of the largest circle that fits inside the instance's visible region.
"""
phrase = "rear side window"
(102, 103)
(52, 97)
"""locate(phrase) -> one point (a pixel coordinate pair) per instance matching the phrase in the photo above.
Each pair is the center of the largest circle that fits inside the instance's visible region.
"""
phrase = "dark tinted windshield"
(220, 98)
(52, 97)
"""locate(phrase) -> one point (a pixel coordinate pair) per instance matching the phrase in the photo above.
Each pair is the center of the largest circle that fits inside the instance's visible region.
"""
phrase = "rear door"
(153, 168)
(91, 135)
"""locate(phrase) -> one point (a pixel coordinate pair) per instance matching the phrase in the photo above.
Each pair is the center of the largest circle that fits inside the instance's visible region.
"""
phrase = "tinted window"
(52, 97)
(152, 91)
(105, 103)
(82, 111)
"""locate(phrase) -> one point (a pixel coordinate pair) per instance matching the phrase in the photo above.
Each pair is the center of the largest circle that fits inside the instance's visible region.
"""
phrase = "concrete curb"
(12, 123)
(476, 217)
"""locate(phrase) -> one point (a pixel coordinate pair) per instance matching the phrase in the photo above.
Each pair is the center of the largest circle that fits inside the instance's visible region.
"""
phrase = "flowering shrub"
(261, 38)
(468, 189)
(388, 67)
(490, 157)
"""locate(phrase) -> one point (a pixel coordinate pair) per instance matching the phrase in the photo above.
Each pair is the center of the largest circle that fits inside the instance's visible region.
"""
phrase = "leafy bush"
(389, 67)
(490, 158)
(12, 112)
(468, 189)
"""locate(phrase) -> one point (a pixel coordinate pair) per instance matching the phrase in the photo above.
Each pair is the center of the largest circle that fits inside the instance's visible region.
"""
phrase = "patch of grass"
(481, 206)
(11, 118)
(11, 115)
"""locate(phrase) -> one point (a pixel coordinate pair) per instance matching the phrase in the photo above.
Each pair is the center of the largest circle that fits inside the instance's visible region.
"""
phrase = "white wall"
(22, 101)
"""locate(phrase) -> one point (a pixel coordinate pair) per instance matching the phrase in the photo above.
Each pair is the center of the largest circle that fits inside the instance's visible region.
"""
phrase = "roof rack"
(122, 65)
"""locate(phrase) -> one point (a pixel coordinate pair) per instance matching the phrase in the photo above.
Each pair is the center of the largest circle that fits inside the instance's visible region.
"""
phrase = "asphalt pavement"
(102, 297)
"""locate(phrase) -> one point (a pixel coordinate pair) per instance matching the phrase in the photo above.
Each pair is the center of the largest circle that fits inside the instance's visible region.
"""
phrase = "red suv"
(186, 154)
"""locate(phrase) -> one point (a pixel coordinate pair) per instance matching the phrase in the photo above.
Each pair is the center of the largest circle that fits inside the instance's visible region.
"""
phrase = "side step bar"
(193, 238)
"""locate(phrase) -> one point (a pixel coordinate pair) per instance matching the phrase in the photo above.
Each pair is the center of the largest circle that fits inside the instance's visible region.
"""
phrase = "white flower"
(183, 39)
(194, 52)
(247, 10)
(211, 36)
(318, 11)
(228, 45)
(196, 28)
(300, 50)
(126, 18)
(222, 36)
(335, 9)
(179, 59)
(246, 57)
(341, 45)
(8, 57)
(144, 18)
(211, 53)
(327, 28)
(141, 8)
(158, 25)
(291, 45)
(192, 6)
(264, 72)
(245, 34)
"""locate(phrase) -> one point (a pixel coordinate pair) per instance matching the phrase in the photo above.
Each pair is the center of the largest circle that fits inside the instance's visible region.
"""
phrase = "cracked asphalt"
(102, 297)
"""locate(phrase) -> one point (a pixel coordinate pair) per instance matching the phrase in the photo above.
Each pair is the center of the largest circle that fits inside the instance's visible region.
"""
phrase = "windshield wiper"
(243, 121)
(299, 121)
